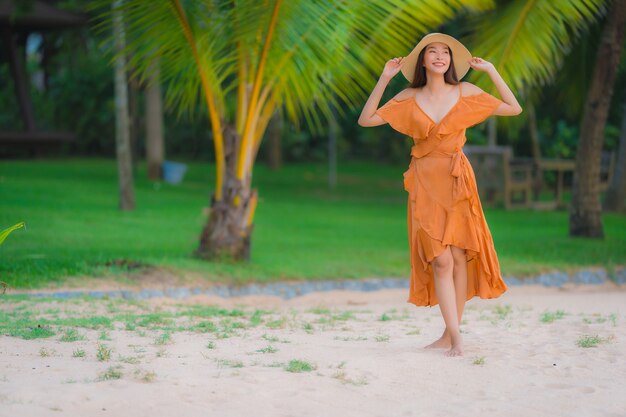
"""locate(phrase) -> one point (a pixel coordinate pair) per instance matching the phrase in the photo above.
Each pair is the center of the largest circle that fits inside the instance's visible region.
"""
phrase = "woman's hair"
(419, 80)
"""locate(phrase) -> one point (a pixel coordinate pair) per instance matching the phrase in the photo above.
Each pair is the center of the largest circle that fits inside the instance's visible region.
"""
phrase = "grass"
(303, 230)
(549, 316)
(103, 353)
(296, 365)
(230, 363)
(163, 339)
(343, 377)
(479, 361)
(502, 311)
(113, 372)
(268, 349)
(29, 333)
(589, 341)
(71, 335)
(78, 353)
(382, 338)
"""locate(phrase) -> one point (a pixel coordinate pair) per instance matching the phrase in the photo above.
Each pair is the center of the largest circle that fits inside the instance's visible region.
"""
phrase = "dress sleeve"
(397, 114)
(480, 107)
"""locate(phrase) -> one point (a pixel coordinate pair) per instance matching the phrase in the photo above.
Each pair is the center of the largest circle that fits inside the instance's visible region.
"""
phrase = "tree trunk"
(133, 128)
(274, 131)
(228, 232)
(333, 129)
(155, 148)
(586, 211)
(617, 188)
(536, 149)
(122, 139)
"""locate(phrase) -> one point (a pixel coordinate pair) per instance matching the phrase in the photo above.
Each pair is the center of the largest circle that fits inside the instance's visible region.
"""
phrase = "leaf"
(6, 232)
(527, 39)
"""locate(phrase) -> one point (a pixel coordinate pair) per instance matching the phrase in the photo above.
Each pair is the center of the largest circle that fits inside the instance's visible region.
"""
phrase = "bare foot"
(457, 347)
(443, 342)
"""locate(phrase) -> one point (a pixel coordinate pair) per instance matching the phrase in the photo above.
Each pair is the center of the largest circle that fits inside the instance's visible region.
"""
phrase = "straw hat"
(460, 55)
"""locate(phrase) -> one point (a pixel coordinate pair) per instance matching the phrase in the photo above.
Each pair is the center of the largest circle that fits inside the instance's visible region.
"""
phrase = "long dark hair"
(419, 79)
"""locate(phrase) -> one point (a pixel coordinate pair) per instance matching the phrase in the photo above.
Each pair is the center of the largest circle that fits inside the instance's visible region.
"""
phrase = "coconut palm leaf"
(244, 58)
(527, 39)
(6, 232)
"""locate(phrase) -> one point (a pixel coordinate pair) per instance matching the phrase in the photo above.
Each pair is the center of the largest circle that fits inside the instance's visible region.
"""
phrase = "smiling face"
(436, 57)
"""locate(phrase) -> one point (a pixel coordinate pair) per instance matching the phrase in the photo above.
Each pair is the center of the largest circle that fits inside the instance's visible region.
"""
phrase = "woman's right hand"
(392, 67)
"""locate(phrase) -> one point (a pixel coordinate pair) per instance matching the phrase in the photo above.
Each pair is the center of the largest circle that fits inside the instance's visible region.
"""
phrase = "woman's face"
(437, 57)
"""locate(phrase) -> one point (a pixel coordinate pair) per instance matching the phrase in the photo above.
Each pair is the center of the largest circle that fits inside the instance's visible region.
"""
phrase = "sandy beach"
(535, 351)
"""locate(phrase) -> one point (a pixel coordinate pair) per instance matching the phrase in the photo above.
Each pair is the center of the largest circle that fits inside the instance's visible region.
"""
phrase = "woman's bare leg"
(460, 279)
(443, 267)
(459, 275)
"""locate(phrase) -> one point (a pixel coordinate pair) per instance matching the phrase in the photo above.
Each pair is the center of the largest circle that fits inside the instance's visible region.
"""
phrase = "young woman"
(451, 250)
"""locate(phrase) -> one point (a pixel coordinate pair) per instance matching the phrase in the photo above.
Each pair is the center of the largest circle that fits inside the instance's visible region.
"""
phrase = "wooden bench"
(501, 177)
(36, 143)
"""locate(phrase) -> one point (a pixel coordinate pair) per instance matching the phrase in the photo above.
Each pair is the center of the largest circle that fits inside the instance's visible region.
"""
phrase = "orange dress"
(443, 204)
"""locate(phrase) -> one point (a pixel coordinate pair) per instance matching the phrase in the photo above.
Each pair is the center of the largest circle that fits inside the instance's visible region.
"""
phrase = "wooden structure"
(501, 177)
(17, 21)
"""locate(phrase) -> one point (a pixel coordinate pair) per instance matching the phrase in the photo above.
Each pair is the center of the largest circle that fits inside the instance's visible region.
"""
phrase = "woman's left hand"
(480, 64)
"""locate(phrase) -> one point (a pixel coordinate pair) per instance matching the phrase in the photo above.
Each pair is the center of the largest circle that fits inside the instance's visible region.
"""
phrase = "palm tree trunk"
(122, 139)
(229, 229)
(333, 129)
(617, 188)
(133, 117)
(155, 148)
(586, 211)
(274, 132)
(536, 149)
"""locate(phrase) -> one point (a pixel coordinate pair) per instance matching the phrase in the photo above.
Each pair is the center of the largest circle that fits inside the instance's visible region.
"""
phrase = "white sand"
(530, 368)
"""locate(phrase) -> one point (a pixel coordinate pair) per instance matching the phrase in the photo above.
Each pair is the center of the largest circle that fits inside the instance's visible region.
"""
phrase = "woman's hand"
(480, 64)
(392, 67)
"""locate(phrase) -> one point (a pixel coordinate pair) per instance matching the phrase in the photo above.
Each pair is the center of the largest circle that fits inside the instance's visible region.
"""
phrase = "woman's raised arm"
(510, 107)
(368, 115)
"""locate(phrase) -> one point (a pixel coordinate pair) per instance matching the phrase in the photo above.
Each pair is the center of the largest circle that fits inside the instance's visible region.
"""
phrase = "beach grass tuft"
(550, 316)
(103, 353)
(296, 365)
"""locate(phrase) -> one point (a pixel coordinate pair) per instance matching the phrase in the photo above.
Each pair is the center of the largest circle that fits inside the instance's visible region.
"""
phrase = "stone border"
(288, 290)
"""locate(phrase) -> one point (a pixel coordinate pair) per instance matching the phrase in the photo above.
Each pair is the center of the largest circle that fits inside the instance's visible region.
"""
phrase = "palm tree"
(122, 122)
(614, 200)
(247, 58)
(586, 209)
(528, 40)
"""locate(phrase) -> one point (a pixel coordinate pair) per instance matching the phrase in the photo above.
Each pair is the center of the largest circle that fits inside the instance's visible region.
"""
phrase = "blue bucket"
(173, 172)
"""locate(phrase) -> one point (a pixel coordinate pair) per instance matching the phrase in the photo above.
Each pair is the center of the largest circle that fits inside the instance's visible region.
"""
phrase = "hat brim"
(460, 55)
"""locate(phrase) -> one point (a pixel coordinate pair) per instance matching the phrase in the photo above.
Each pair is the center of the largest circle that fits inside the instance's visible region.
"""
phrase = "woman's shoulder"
(469, 89)
(405, 94)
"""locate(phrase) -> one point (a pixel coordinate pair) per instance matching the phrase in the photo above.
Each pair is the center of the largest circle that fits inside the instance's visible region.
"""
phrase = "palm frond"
(527, 39)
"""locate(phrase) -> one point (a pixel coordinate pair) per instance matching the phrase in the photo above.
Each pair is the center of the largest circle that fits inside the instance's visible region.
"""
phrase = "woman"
(452, 254)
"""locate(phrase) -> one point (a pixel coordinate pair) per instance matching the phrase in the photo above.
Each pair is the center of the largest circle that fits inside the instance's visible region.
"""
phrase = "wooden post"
(155, 148)
(18, 70)
(122, 133)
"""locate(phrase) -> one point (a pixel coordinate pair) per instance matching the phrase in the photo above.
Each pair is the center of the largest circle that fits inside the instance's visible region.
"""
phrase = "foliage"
(79, 94)
(3, 235)
(246, 59)
(528, 39)
(6, 232)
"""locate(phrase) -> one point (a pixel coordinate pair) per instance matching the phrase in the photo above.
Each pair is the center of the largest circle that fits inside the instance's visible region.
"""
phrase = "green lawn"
(302, 229)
